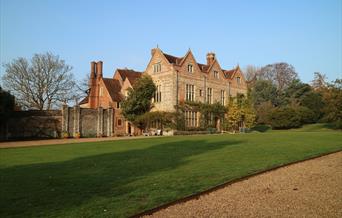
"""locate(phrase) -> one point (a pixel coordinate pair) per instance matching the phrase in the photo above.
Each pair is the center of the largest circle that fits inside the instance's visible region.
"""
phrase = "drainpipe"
(205, 89)
(177, 90)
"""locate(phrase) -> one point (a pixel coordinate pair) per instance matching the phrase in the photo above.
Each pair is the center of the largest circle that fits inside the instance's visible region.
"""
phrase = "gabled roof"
(113, 87)
(173, 59)
(229, 73)
(203, 67)
(131, 75)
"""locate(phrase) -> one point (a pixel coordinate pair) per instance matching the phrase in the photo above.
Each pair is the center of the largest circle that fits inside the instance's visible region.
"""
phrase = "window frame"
(157, 95)
(191, 118)
(216, 74)
(190, 68)
(209, 95)
(118, 120)
(157, 67)
(238, 80)
(223, 97)
(189, 92)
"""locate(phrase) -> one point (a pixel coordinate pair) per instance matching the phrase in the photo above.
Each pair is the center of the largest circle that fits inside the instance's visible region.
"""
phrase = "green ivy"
(217, 110)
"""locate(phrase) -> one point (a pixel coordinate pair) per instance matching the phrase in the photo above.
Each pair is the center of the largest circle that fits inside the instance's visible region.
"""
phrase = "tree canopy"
(7, 104)
(138, 101)
(40, 83)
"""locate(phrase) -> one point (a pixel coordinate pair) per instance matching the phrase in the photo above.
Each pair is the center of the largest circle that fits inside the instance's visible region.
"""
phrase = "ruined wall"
(87, 122)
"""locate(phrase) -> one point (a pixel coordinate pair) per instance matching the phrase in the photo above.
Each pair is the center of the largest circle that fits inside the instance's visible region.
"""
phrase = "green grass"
(317, 127)
(121, 178)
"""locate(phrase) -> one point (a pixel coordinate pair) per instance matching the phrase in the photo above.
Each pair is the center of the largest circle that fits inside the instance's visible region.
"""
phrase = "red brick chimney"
(99, 65)
(210, 58)
(93, 85)
(92, 69)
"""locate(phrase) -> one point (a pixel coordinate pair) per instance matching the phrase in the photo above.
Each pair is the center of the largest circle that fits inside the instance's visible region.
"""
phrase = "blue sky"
(304, 33)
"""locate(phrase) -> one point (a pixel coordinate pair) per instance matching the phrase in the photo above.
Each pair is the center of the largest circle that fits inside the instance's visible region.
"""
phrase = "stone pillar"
(65, 119)
(110, 118)
(76, 120)
(100, 122)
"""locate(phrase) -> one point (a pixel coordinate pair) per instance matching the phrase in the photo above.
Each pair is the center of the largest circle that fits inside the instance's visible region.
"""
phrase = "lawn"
(122, 178)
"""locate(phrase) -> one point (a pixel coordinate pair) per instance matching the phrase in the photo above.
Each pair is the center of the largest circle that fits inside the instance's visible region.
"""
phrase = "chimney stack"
(99, 69)
(210, 58)
(92, 69)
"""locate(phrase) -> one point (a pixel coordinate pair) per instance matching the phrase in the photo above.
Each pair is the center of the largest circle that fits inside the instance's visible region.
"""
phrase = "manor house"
(178, 79)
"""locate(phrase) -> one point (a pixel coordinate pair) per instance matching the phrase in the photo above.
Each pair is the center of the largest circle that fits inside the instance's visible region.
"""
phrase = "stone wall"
(87, 122)
(55, 123)
(32, 124)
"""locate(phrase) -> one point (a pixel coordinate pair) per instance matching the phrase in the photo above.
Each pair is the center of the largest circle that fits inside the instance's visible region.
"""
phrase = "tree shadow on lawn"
(64, 188)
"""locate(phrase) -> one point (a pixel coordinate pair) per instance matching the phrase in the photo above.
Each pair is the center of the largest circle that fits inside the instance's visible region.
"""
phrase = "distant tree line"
(281, 100)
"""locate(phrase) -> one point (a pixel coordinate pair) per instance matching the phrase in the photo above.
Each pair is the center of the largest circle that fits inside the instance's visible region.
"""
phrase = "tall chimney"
(92, 85)
(99, 69)
(210, 58)
(92, 69)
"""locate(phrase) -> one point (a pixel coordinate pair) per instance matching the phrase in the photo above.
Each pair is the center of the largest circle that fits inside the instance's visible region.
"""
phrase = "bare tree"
(281, 74)
(41, 83)
(320, 81)
(251, 72)
(81, 89)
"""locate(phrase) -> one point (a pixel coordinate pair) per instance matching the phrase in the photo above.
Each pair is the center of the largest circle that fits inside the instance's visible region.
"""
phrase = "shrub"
(261, 128)
(337, 124)
(285, 118)
(192, 132)
(211, 130)
(306, 115)
(263, 111)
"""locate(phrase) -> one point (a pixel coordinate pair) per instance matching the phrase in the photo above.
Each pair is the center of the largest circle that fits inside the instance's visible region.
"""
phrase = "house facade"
(178, 80)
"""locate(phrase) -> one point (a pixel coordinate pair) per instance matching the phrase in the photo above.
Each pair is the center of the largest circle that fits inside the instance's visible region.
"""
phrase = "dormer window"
(190, 68)
(157, 67)
(216, 74)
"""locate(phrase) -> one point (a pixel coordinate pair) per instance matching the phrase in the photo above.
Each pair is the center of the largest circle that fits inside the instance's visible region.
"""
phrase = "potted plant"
(65, 135)
(77, 135)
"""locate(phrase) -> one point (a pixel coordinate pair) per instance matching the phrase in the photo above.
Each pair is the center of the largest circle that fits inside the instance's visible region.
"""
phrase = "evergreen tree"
(139, 98)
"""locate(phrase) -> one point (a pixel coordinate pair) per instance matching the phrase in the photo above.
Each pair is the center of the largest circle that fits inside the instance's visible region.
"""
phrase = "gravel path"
(308, 189)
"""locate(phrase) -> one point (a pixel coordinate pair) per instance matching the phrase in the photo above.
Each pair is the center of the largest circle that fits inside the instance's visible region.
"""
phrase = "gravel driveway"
(308, 189)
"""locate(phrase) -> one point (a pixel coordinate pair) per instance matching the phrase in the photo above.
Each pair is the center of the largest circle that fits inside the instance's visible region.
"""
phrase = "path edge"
(225, 184)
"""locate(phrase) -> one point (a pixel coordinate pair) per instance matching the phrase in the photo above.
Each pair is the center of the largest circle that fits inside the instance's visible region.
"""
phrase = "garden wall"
(69, 121)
